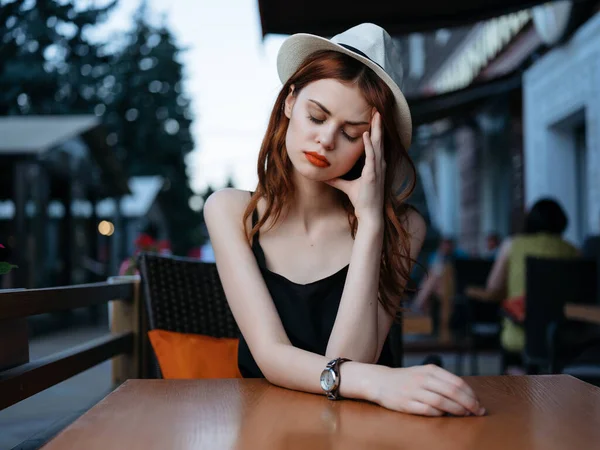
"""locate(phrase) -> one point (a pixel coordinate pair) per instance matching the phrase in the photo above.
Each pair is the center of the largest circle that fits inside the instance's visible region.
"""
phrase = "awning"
(144, 191)
(429, 109)
(25, 135)
(31, 136)
(397, 17)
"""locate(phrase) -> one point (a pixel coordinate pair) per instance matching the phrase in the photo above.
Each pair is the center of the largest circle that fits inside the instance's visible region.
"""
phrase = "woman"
(314, 263)
(541, 237)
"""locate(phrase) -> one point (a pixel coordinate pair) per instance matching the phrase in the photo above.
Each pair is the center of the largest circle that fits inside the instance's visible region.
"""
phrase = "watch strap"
(335, 364)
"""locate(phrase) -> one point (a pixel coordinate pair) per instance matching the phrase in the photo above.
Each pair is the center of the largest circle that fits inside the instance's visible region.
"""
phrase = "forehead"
(339, 98)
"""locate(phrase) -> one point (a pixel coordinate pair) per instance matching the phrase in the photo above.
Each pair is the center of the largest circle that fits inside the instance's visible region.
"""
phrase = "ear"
(289, 102)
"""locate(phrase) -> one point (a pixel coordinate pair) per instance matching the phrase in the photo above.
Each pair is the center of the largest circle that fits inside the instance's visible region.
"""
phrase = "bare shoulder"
(225, 207)
(227, 203)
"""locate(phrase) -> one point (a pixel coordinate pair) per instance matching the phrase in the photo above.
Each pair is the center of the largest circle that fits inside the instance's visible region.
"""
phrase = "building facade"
(562, 129)
(473, 155)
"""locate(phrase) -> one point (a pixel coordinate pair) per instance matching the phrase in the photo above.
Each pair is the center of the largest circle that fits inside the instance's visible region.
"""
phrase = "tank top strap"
(259, 254)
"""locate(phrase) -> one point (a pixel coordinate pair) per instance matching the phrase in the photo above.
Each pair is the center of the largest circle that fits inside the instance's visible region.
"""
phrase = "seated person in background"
(432, 285)
(492, 246)
(447, 250)
(544, 226)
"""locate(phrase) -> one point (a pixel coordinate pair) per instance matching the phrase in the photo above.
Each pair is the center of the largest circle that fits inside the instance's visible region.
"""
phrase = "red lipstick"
(317, 160)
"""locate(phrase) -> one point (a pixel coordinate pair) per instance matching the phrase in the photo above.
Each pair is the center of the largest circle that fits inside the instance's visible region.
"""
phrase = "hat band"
(355, 50)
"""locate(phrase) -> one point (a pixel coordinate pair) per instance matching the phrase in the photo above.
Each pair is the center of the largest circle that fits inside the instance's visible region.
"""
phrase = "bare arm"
(496, 285)
(427, 390)
(254, 310)
(362, 325)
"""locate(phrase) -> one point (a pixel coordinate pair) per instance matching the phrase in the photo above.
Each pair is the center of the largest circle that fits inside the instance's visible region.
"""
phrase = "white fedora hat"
(367, 43)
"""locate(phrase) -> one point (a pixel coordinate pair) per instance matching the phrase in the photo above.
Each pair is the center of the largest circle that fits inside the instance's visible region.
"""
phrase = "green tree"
(49, 66)
(152, 118)
(45, 57)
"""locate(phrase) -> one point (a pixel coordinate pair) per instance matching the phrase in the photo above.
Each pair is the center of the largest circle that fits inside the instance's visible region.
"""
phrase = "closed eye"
(346, 135)
(350, 138)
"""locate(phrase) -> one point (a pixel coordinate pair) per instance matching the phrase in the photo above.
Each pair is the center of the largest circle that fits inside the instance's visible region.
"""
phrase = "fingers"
(340, 184)
(423, 409)
(453, 381)
(455, 399)
(440, 403)
(369, 154)
(377, 138)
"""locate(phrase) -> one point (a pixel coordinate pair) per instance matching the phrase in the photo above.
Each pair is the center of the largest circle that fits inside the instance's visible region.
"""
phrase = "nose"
(327, 139)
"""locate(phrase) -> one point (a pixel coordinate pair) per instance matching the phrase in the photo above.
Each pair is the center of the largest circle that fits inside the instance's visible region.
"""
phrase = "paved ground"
(59, 404)
(54, 408)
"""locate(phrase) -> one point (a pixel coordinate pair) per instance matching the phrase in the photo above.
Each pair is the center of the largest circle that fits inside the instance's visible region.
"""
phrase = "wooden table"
(585, 313)
(416, 323)
(418, 335)
(541, 412)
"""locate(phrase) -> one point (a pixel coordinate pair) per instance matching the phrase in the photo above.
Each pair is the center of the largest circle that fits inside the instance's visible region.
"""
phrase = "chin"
(316, 174)
(313, 173)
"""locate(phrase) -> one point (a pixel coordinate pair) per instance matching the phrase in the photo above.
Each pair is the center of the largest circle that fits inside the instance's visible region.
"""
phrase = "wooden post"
(41, 190)
(446, 300)
(20, 230)
(92, 233)
(67, 232)
(14, 343)
(126, 315)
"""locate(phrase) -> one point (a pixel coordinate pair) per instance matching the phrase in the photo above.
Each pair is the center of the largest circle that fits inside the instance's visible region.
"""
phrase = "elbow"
(272, 373)
(272, 378)
(269, 363)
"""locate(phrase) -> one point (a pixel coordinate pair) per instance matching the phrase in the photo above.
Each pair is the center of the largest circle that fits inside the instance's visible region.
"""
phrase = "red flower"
(195, 253)
(144, 241)
(164, 245)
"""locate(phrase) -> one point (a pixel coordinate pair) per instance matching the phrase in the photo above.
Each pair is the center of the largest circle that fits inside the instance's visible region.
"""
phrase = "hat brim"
(298, 47)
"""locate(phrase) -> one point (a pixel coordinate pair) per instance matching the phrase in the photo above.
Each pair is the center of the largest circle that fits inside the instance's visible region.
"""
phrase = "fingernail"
(481, 411)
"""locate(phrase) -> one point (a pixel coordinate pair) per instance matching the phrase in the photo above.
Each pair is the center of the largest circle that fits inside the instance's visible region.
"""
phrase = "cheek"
(352, 157)
(290, 138)
(291, 135)
(297, 133)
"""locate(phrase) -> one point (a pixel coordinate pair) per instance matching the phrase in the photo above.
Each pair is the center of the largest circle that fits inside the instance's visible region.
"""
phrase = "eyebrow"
(326, 111)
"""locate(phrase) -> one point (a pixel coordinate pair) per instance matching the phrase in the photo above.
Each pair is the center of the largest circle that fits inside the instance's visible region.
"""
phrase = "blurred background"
(118, 118)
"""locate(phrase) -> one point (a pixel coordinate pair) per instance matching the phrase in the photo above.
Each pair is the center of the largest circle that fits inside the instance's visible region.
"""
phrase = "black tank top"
(307, 311)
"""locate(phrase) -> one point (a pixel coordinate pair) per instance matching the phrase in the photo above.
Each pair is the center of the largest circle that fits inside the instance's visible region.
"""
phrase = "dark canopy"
(327, 18)
(26, 137)
(429, 109)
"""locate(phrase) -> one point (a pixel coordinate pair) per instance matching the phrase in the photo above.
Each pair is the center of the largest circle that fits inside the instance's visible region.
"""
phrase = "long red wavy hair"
(275, 183)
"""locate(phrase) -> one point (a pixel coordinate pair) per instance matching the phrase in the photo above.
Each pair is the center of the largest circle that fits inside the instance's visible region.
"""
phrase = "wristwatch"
(330, 378)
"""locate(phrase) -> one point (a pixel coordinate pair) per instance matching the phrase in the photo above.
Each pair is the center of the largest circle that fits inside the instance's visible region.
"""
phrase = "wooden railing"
(124, 343)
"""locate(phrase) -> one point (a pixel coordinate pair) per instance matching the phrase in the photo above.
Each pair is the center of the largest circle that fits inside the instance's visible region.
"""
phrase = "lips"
(317, 160)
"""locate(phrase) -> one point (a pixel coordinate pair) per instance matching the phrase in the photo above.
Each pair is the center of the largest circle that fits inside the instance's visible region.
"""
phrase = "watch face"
(328, 379)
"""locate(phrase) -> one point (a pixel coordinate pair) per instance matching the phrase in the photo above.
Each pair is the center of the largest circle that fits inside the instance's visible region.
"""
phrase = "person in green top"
(541, 237)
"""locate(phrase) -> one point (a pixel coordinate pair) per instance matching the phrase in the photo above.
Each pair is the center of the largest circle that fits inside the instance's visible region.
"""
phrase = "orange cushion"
(182, 355)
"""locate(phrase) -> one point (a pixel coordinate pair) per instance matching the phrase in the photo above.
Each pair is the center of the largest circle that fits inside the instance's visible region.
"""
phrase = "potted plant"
(14, 340)
(5, 266)
(144, 243)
